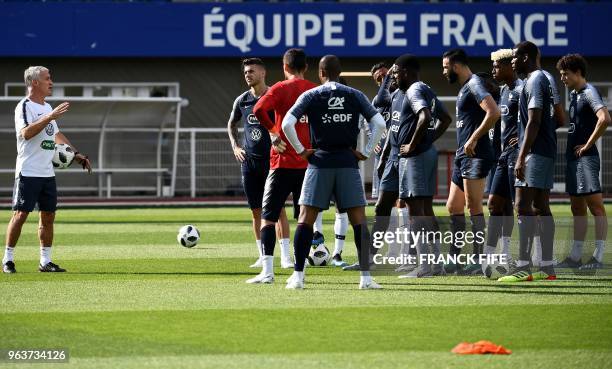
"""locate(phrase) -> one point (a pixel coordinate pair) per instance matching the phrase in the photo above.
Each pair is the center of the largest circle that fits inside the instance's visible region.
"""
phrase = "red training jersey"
(280, 98)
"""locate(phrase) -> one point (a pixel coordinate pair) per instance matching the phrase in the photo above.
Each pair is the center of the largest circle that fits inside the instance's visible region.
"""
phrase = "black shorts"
(280, 183)
(470, 168)
(502, 183)
(29, 191)
(254, 174)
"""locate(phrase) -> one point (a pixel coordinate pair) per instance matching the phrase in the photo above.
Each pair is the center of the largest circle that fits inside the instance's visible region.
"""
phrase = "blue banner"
(268, 29)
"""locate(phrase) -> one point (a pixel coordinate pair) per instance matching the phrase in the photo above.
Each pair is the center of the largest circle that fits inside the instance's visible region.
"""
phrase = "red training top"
(280, 98)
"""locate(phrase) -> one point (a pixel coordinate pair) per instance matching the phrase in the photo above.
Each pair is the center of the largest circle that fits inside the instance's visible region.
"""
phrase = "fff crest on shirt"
(49, 129)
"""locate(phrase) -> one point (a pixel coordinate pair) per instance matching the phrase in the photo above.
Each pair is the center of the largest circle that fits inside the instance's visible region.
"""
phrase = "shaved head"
(330, 66)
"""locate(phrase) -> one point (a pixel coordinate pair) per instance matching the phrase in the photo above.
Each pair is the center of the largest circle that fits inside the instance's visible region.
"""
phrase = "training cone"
(480, 348)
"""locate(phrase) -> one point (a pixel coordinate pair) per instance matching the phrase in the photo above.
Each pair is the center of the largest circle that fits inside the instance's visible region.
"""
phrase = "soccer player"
(589, 118)
(253, 154)
(534, 169)
(333, 112)
(501, 194)
(418, 129)
(477, 112)
(37, 133)
(287, 168)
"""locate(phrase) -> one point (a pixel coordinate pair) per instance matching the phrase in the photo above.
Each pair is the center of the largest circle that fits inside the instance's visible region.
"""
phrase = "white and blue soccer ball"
(319, 255)
(63, 156)
(188, 236)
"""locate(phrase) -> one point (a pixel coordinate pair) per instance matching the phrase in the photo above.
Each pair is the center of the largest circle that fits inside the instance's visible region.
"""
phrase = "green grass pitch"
(133, 298)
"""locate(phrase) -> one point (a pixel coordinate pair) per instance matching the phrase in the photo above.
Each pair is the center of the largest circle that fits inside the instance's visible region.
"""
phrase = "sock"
(457, 224)
(536, 253)
(494, 230)
(284, 244)
(545, 263)
(522, 263)
(600, 246)
(422, 247)
(394, 224)
(267, 264)
(547, 236)
(340, 228)
(318, 225)
(576, 253)
(435, 246)
(488, 250)
(268, 239)
(8, 254)
(259, 248)
(526, 227)
(478, 227)
(363, 244)
(506, 245)
(403, 214)
(301, 245)
(45, 255)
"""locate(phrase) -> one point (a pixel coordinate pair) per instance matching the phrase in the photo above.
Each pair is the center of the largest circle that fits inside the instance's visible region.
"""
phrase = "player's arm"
(232, 131)
(262, 110)
(291, 118)
(603, 121)
(376, 122)
(443, 120)
(383, 97)
(31, 130)
(559, 115)
(80, 158)
(492, 115)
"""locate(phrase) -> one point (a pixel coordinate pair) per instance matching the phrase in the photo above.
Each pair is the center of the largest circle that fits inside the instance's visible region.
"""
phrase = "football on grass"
(188, 236)
(319, 255)
(63, 156)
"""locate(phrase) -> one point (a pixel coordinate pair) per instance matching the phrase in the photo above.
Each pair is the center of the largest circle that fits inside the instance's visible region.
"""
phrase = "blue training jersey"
(333, 111)
(584, 105)
(256, 142)
(419, 96)
(537, 93)
(470, 116)
(508, 105)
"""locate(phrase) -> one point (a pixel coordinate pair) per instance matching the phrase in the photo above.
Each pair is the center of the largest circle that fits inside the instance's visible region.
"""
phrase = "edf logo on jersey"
(336, 103)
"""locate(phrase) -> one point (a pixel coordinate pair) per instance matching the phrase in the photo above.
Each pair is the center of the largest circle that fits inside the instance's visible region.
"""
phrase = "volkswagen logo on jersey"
(572, 128)
(335, 103)
(255, 134)
(49, 129)
(386, 116)
(491, 133)
(252, 119)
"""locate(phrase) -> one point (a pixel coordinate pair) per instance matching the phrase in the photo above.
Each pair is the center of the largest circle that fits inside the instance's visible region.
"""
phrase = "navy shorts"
(417, 174)
(502, 183)
(280, 184)
(343, 185)
(539, 172)
(390, 178)
(254, 175)
(470, 168)
(582, 176)
(30, 191)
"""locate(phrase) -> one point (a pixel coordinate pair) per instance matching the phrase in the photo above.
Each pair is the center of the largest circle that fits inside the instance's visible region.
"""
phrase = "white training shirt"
(34, 155)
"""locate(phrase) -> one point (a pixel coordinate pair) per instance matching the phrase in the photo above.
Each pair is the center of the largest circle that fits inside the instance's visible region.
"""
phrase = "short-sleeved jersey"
(508, 105)
(34, 156)
(584, 105)
(333, 111)
(556, 95)
(419, 96)
(256, 141)
(537, 94)
(470, 116)
(397, 101)
(280, 98)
